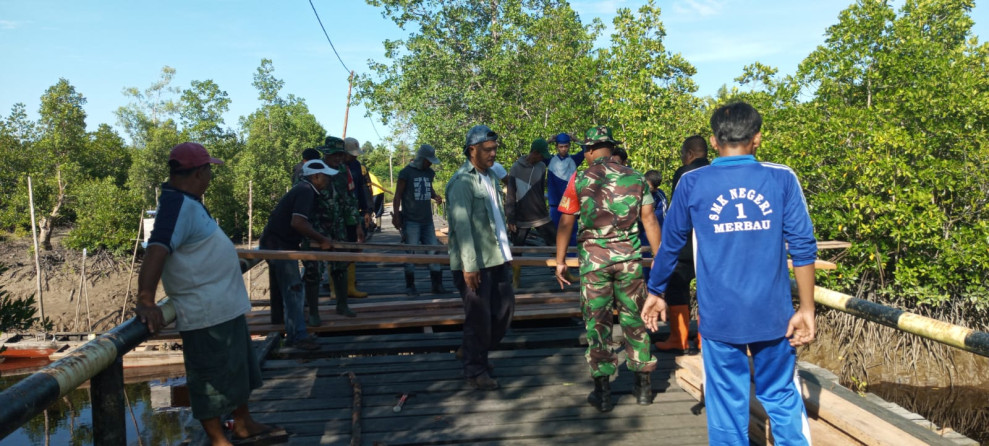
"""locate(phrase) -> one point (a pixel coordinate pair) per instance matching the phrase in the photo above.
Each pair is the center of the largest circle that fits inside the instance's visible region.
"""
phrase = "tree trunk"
(47, 223)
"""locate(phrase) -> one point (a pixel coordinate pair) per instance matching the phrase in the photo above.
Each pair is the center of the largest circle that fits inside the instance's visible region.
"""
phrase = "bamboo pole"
(85, 290)
(130, 274)
(37, 260)
(250, 233)
(82, 278)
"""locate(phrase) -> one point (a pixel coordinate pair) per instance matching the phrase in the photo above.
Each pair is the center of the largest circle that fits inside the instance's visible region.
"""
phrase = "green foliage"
(647, 92)
(148, 108)
(110, 220)
(885, 123)
(522, 67)
(276, 136)
(150, 166)
(892, 149)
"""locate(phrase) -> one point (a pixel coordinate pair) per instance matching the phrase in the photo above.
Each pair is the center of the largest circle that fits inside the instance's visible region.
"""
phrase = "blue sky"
(101, 47)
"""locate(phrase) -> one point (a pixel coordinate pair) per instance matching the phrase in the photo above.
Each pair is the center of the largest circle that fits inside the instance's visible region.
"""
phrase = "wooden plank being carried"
(373, 257)
(371, 246)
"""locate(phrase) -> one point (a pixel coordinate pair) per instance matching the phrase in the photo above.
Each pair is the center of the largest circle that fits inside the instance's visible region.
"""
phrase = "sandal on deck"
(276, 434)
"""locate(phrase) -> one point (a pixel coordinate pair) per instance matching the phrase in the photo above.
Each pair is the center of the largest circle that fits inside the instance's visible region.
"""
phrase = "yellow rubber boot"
(352, 290)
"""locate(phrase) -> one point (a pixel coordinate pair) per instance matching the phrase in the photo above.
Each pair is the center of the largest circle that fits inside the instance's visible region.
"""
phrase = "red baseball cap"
(190, 154)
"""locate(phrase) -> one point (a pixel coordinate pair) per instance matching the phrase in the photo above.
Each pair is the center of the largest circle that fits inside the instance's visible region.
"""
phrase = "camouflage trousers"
(601, 291)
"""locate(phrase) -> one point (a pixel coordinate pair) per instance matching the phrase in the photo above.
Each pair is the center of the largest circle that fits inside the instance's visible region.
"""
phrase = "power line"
(328, 37)
(371, 120)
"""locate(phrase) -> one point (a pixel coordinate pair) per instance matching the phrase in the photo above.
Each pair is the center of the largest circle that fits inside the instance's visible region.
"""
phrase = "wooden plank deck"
(404, 345)
(542, 399)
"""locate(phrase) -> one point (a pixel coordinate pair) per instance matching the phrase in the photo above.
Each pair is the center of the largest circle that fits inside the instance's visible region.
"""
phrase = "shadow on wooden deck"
(542, 399)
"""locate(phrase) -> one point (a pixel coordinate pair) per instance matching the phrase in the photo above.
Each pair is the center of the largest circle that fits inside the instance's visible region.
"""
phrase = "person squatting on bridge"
(745, 215)
(609, 199)
(290, 222)
(412, 213)
(197, 265)
(480, 255)
(289, 225)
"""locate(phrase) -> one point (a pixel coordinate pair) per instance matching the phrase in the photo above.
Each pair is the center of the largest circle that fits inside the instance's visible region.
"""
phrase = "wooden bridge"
(346, 392)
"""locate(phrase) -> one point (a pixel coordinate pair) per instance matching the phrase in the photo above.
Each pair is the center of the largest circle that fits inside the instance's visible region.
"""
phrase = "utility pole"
(346, 113)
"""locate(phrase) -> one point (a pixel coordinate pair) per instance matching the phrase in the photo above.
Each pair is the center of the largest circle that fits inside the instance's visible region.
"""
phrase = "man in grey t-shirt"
(413, 213)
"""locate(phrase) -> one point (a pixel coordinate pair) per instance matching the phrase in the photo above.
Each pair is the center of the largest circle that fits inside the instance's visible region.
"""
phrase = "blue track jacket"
(743, 214)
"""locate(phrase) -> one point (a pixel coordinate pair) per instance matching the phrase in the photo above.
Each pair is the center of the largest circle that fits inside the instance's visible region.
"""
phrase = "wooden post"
(130, 274)
(85, 290)
(107, 395)
(346, 112)
(37, 260)
(250, 233)
(82, 279)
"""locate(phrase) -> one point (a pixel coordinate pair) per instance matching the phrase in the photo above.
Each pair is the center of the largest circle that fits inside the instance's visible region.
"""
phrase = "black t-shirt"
(278, 233)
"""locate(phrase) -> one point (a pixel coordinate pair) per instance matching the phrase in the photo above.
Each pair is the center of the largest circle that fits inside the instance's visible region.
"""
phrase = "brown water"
(69, 421)
(944, 385)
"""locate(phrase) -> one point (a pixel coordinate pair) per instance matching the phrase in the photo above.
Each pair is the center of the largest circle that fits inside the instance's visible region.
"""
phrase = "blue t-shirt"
(743, 214)
(659, 210)
(560, 170)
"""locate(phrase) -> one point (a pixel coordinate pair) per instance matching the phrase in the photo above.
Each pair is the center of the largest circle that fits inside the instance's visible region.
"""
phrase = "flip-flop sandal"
(273, 435)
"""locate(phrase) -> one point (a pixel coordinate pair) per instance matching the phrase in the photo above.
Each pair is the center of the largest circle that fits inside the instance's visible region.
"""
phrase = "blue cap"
(562, 138)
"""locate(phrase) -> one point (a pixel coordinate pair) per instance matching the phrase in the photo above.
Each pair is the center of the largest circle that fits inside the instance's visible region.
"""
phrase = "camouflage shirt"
(336, 208)
(608, 198)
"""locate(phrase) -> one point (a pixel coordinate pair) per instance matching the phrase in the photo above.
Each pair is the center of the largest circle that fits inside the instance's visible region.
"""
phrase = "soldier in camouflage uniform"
(336, 209)
(609, 199)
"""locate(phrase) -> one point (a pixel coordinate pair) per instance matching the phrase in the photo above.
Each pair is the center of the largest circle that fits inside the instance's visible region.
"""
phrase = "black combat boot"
(410, 285)
(340, 292)
(643, 388)
(436, 277)
(312, 301)
(600, 398)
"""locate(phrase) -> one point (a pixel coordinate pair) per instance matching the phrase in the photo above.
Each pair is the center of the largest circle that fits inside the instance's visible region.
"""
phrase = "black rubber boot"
(312, 301)
(600, 398)
(410, 285)
(643, 388)
(436, 277)
(340, 292)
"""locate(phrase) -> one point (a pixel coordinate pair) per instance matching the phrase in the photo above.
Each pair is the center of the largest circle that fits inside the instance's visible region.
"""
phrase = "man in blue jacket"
(745, 216)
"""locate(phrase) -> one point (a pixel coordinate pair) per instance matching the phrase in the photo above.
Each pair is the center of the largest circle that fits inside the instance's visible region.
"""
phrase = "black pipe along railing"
(101, 362)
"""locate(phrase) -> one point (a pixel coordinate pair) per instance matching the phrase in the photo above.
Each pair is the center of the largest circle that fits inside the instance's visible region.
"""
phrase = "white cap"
(317, 166)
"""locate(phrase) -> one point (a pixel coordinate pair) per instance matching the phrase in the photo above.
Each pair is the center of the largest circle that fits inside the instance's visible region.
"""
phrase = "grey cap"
(352, 146)
(428, 153)
(479, 134)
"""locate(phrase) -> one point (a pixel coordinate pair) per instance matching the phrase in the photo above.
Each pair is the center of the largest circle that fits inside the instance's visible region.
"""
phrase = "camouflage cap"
(332, 145)
(598, 135)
